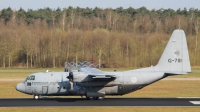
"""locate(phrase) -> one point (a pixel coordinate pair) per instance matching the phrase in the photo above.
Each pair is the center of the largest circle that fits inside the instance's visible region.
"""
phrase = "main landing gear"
(36, 97)
(94, 98)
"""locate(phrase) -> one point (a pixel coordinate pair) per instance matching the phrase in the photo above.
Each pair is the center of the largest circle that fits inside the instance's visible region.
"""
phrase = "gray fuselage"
(56, 83)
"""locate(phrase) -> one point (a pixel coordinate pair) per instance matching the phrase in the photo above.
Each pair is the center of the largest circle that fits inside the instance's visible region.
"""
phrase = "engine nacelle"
(84, 80)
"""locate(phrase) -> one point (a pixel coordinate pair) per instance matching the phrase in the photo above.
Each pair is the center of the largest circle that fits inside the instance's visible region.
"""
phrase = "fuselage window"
(28, 83)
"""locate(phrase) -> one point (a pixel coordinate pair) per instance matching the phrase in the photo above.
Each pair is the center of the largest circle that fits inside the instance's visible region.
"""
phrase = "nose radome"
(20, 87)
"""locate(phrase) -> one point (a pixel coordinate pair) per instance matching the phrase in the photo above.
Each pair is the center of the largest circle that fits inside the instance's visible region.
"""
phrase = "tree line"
(110, 37)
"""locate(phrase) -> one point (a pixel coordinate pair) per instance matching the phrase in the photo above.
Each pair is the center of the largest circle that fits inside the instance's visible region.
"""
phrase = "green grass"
(194, 74)
(165, 88)
(24, 72)
(162, 88)
(102, 109)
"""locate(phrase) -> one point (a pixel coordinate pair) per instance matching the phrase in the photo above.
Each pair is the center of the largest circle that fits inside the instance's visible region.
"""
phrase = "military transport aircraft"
(94, 83)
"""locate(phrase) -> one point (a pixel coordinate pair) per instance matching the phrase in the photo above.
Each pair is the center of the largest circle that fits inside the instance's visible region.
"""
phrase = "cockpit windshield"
(25, 80)
(31, 77)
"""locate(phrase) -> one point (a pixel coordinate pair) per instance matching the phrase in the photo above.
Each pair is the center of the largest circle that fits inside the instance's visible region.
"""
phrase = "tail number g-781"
(176, 60)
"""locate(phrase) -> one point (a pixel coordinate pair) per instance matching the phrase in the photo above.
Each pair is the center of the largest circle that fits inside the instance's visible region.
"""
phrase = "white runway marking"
(182, 79)
(188, 97)
(195, 102)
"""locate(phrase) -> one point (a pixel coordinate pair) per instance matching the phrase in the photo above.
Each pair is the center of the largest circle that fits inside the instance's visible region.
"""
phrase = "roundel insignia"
(133, 79)
(177, 52)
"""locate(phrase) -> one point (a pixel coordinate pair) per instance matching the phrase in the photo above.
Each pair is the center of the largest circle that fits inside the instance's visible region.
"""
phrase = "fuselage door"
(44, 89)
(120, 89)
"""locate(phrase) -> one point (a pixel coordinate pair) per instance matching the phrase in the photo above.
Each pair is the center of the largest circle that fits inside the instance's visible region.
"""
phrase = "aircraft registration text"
(176, 60)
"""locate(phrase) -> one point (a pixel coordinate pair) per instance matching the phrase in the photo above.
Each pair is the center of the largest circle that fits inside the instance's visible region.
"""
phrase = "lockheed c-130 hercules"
(94, 83)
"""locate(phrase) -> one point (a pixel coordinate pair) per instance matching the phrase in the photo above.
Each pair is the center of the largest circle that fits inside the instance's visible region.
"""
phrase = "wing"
(96, 73)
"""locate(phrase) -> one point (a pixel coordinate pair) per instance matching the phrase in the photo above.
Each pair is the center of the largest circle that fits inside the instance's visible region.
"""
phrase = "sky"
(54, 4)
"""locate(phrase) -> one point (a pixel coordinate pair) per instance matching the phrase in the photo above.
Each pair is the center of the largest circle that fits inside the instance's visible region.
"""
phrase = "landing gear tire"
(101, 98)
(36, 97)
(88, 98)
(96, 98)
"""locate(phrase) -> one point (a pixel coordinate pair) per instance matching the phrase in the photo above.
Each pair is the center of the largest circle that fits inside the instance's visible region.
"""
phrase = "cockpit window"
(32, 77)
(25, 80)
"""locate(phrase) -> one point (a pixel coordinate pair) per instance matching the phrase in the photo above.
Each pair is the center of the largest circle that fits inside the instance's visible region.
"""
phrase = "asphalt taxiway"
(49, 102)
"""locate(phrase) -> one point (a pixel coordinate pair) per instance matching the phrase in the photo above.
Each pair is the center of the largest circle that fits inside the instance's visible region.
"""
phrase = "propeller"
(70, 77)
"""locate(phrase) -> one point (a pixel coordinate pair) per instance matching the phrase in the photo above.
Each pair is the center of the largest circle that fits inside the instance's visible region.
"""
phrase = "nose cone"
(20, 87)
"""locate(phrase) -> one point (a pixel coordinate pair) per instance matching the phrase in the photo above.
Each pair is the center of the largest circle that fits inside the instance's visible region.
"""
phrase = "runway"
(57, 102)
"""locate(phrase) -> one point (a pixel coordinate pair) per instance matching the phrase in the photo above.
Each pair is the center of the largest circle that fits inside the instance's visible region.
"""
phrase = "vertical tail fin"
(175, 58)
